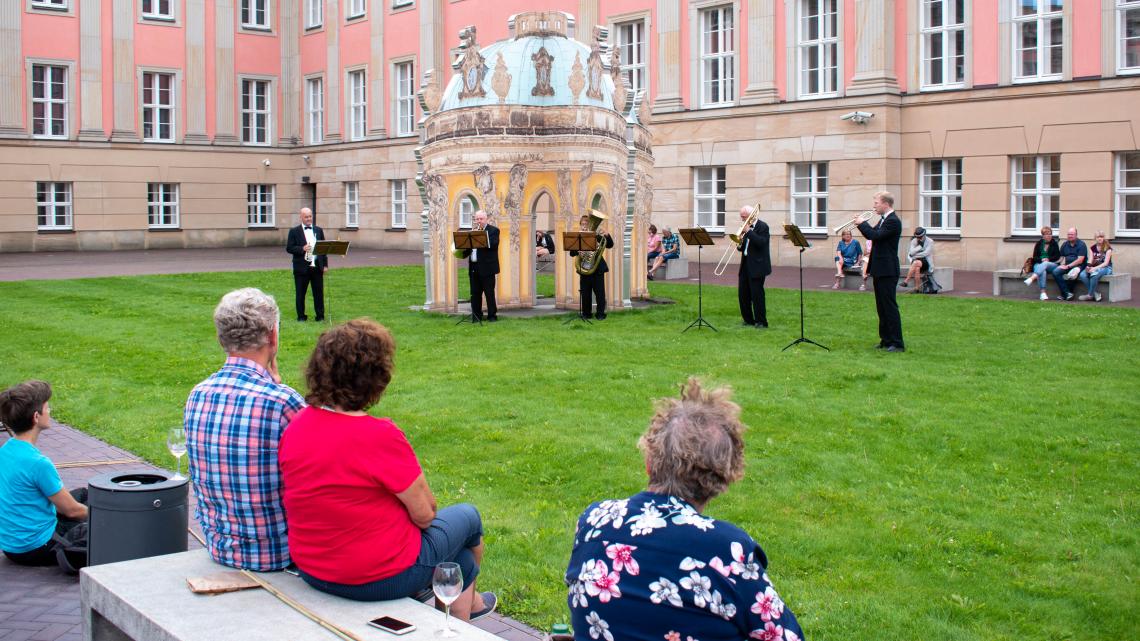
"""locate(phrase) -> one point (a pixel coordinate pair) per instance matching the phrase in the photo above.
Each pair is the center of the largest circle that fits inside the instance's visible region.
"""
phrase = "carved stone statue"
(472, 66)
(485, 181)
(577, 80)
(542, 63)
(501, 79)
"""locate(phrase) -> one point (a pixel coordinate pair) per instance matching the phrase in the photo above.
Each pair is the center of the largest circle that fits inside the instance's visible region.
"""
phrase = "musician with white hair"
(482, 267)
(755, 266)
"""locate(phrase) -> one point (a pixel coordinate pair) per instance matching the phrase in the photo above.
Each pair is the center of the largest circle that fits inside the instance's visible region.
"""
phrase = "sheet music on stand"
(698, 236)
(330, 248)
(579, 241)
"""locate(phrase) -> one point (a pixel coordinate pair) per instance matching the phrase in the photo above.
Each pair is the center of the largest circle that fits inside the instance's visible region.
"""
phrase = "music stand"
(699, 237)
(476, 239)
(798, 240)
(579, 241)
(329, 248)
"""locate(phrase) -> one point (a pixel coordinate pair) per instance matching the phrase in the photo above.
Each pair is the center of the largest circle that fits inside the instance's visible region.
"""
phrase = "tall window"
(631, 49)
(352, 204)
(1128, 193)
(809, 196)
(255, 14)
(399, 203)
(53, 205)
(467, 207)
(260, 206)
(718, 57)
(157, 9)
(315, 107)
(357, 105)
(1037, 44)
(940, 195)
(1036, 193)
(162, 205)
(709, 197)
(255, 112)
(1128, 34)
(943, 43)
(355, 8)
(49, 4)
(314, 13)
(158, 106)
(818, 47)
(49, 101)
(405, 99)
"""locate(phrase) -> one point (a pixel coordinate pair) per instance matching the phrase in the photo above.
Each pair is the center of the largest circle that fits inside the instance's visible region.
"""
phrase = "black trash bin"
(135, 515)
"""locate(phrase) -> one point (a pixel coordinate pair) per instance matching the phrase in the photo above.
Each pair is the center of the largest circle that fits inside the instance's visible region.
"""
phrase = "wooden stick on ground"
(122, 461)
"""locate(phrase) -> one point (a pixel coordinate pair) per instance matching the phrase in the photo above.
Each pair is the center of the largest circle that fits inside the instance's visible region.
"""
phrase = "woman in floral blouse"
(652, 567)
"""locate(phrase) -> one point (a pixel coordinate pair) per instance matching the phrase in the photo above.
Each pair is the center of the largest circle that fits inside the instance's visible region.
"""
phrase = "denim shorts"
(452, 533)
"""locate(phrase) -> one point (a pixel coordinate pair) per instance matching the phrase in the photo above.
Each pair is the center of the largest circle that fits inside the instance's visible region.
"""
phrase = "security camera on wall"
(266, 162)
(858, 117)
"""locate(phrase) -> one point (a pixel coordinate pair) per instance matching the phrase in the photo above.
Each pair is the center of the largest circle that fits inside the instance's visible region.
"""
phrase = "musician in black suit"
(594, 283)
(308, 269)
(884, 268)
(755, 266)
(482, 266)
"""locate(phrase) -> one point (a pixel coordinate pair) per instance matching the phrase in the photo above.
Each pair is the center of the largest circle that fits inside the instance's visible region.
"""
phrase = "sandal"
(863, 287)
(490, 602)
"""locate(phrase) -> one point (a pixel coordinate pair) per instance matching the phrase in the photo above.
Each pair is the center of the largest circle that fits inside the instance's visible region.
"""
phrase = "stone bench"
(852, 278)
(149, 600)
(676, 268)
(1008, 282)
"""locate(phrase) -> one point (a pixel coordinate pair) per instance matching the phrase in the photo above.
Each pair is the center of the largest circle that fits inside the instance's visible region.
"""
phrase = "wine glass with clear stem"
(176, 443)
(447, 583)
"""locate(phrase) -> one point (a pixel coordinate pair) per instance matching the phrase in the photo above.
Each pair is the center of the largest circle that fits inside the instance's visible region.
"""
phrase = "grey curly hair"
(244, 318)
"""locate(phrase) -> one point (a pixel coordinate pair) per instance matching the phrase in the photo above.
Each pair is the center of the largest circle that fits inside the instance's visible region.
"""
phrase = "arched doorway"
(542, 218)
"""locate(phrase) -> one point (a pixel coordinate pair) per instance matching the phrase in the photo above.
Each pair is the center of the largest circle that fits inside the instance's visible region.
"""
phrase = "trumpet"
(849, 225)
(736, 239)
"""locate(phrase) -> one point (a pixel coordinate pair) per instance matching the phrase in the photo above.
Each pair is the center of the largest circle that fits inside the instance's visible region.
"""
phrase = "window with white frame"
(709, 187)
(357, 105)
(1037, 39)
(1128, 35)
(158, 106)
(255, 14)
(315, 109)
(352, 204)
(405, 98)
(260, 206)
(1128, 193)
(718, 57)
(396, 4)
(818, 48)
(467, 207)
(53, 206)
(158, 9)
(631, 51)
(1036, 193)
(940, 195)
(314, 13)
(255, 113)
(809, 196)
(355, 9)
(49, 4)
(943, 43)
(49, 101)
(399, 189)
(162, 205)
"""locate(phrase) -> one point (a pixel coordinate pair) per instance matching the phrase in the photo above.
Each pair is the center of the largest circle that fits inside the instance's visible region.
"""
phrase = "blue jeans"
(1091, 279)
(1059, 277)
(450, 537)
(1042, 270)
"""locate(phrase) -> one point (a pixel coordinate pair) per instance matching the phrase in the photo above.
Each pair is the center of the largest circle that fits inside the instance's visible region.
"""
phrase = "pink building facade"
(182, 123)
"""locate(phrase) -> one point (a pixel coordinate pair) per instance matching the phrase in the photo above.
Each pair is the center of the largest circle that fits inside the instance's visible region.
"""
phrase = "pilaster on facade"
(11, 72)
(761, 88)
(290, 73)
(224, 75)
(586, 19)
(124, 128)
(376, 68)
(874, 48)
(668, 57)
(196, 73)
(333, 75)
(432, 55)
(91, 71)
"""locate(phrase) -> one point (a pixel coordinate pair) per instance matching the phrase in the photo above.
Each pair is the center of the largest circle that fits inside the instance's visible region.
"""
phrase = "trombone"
(849, 225)
(736, 239)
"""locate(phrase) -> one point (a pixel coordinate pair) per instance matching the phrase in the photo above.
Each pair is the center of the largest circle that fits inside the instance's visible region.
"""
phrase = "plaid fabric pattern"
(234, 420)
(672, 243)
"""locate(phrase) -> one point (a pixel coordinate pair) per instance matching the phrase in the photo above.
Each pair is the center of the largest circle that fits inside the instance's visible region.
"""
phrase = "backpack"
(71, 548)
(929, 285)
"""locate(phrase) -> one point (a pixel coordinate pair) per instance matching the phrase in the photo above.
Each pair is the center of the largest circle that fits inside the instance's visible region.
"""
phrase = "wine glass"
(447, 583)
(176, 443)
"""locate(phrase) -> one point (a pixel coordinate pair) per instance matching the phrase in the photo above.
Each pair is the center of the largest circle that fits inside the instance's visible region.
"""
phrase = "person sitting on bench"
(920, 255)
(653, 249)
(848, 253)
(670, 249)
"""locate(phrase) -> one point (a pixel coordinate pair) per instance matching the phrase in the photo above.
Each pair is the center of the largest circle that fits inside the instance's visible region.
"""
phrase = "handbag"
(1027, 267)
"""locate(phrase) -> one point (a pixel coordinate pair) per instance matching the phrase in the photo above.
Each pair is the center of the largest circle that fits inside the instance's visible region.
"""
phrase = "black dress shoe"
(896, 348)
(761, 325)
(600, 316)
(747, 324)
(319, 319)
(301, 319)
(492, 319)
(880, 346)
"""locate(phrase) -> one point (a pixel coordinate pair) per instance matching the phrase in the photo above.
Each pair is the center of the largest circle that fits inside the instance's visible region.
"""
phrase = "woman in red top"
(362, 520)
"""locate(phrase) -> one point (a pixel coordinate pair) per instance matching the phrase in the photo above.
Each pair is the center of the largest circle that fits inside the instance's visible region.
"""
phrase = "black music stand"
(329, 248)
(699, 237)
(579, 241)
(798, 240)
(475, 239)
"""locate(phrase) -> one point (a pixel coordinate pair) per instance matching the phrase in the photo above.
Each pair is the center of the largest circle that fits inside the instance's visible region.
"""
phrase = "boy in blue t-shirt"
(34, 505)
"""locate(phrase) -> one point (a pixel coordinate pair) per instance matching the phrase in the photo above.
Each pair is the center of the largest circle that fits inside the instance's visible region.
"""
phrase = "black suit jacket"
(884, 239)
(296, 246)
(546, 242)
(488, 258)
(759, 257)
(602, 266)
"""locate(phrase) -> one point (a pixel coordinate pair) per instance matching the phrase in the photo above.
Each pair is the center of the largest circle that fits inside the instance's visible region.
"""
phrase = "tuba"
(586, 262)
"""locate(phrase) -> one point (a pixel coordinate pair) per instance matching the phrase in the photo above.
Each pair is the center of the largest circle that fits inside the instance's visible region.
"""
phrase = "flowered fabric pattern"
(651, 567)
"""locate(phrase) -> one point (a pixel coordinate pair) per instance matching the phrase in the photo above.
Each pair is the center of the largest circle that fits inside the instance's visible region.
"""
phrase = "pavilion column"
(668, 57)
(761, 88)
(874, 48)
(196, 72)
(290, 81)
(224, 76)
(11, 71)
(377, 66)
(125, 128)
(333, 70)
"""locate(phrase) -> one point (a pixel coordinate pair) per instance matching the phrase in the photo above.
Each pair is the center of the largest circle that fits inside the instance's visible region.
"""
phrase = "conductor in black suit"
(755, 266)
(308, 268)
(482, 266)
(884, 268)
(594, 284)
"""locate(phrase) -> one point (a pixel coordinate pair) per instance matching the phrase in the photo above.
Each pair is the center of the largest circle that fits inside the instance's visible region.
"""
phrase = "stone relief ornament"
(431, 94)
(583, 183)
(485, 182)
(594, 66)
(621, 92)
(643, 110)
(565, 205)
(577, 78)
(645, 198)
(436, 190)
(472, 66)
(501, 79)
(513, 202)
(542, 64)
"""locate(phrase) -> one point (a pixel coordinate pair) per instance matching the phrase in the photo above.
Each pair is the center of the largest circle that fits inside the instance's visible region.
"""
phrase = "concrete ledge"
(676, 268)
(852, 278)
(1008, 282)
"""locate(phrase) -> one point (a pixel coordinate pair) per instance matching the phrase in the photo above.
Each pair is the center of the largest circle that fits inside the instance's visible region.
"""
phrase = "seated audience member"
(36, 511)
(670, 249)
(653, 248)
(1074, 255)
(1046, 255)
(847, 256)
(1099, 266)
(363, 522)
(234, 420)
(652, 566)
(920, 255)
(543, 244)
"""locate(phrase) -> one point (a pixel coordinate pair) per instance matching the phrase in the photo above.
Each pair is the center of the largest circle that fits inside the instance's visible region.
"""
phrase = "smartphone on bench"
(392, 624)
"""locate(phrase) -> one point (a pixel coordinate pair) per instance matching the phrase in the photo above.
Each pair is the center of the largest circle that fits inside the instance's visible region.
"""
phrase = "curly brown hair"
(694, 446)
(351, 366)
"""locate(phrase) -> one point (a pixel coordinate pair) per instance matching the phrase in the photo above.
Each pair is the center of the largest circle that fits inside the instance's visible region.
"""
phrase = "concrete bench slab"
(149, 600)
(677, 268)
(1008, 282)
(944, 275)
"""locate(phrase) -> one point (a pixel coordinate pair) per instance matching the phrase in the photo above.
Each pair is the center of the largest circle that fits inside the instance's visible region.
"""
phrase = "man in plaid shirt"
(234, 420)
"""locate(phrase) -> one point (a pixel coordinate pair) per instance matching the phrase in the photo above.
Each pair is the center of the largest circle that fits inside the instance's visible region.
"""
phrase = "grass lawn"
(984, 485)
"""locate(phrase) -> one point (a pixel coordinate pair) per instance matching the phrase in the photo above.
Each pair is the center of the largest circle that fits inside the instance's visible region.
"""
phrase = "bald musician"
(755, 266)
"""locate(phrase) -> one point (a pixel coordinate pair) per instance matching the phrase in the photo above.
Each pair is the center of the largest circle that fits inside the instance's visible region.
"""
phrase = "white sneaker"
(1084, 297)
(1028, 281)
(1073, 273)
(1096, 296)
(1044, 296)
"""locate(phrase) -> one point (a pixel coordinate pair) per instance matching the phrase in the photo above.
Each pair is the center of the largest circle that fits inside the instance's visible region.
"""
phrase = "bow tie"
(308, 228)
